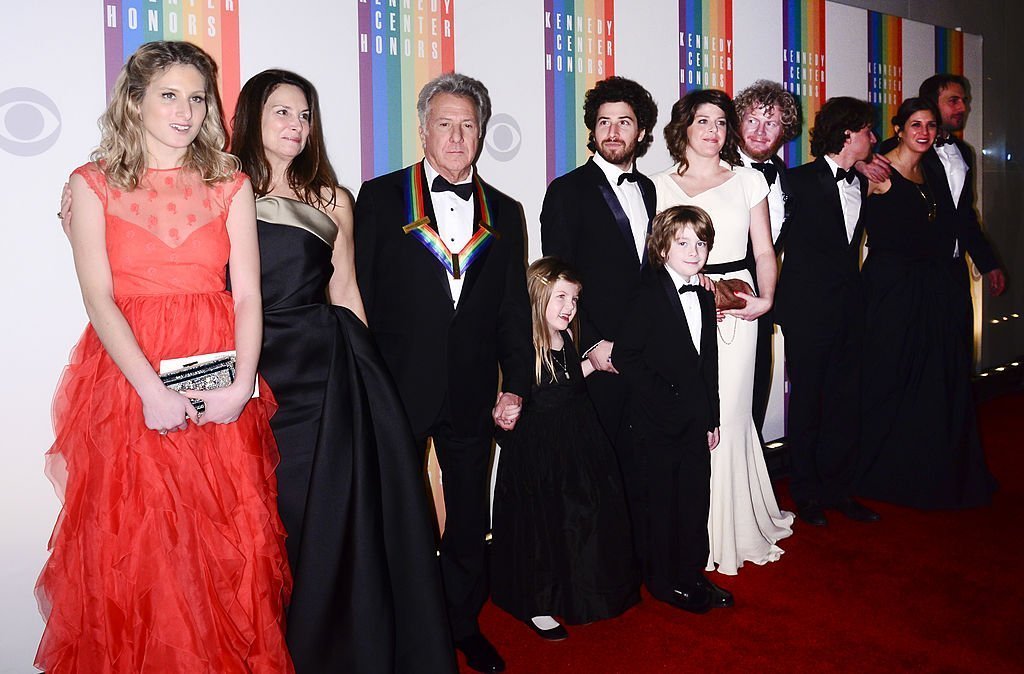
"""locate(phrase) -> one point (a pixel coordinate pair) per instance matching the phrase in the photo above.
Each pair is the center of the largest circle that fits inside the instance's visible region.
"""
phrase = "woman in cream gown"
(745, 521)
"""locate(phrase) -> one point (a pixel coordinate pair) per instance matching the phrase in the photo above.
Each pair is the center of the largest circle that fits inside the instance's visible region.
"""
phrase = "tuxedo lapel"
(612, 201)
(830, 188)
(436, 270)
(708, 332)
(478, 266)
(650, 203)
(672, 293)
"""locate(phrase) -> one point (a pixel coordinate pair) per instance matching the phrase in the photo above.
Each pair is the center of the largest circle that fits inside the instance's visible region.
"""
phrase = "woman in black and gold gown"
(367, 594)
(920, 435)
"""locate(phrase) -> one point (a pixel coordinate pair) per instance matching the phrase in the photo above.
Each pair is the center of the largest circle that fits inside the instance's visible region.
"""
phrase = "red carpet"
(916, 592)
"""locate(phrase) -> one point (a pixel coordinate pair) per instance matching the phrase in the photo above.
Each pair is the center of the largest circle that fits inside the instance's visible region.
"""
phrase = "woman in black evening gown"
(367, 594)
(920, 437)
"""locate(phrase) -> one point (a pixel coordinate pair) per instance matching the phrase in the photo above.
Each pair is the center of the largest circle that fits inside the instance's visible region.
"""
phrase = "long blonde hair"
(122, 150)
(540, 282)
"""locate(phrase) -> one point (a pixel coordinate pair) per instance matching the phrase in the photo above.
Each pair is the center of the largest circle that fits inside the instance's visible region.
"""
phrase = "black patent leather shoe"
(720, 597)
(857, 511)
(480, 654)
(812, 513)
(556, 633)
(693, 598)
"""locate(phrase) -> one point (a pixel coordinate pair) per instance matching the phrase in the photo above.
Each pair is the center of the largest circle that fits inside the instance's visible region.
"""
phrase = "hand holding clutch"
(725, 293)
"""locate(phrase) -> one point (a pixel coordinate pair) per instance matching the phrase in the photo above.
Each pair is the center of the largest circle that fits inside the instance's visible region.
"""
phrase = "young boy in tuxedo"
(668, 352)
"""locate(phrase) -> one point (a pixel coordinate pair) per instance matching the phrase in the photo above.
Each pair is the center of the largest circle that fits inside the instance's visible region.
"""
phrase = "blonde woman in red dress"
(168, 554)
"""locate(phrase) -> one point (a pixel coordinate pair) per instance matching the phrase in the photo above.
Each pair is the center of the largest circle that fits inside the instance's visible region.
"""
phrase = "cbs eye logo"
(503, 137)
(29, 122)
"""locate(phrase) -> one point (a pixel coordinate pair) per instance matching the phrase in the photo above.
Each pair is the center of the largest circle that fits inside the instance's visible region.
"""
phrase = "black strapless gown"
(920, 437)
(561, 539)
(367, 594)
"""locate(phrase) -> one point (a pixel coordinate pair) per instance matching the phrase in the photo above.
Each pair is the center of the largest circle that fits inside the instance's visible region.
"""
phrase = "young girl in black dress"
(561, 541)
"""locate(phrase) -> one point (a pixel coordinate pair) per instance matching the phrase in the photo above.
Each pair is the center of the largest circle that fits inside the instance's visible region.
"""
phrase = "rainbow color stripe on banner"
(705, 45)
(803, 66)
(885, 68)
(949, 51)
(579, 50)
(402, 46)
(210, 24)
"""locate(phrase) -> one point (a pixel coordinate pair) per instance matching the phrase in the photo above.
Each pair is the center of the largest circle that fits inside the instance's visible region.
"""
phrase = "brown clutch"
(725, 293)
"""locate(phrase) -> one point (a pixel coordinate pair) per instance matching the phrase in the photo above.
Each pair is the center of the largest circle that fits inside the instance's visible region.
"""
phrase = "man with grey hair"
(769, 116)
(440, 263)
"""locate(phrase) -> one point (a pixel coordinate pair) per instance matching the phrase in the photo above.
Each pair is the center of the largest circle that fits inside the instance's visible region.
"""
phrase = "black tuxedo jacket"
(782, 180)
(820, 282)
(432, 349)
(965, 218)
(583, 223)
(672, 386)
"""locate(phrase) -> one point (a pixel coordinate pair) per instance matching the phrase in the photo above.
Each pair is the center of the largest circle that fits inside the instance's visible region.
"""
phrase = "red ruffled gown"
(168, 555)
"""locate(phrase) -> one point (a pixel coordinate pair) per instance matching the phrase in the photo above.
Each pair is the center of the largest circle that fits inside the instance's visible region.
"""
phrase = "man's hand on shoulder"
(877, 170)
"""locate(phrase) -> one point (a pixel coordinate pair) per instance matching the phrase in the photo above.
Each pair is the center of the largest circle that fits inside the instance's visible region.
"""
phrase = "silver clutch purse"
(201, 375)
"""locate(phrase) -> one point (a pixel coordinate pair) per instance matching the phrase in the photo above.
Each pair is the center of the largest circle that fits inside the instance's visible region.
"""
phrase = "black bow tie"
(848, 176)
(689, 288)
(768, 169)
(463, 190)
(628, 175)
(943, 140)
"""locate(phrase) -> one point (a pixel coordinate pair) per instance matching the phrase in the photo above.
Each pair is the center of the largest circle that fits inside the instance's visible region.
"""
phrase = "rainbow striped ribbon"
(459, 263)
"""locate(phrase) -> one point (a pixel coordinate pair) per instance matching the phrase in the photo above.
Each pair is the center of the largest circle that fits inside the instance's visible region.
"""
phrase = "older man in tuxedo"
(440, 264)
(769, 116)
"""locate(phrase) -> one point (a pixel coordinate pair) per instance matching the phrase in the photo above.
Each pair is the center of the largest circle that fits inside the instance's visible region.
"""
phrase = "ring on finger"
(164, 432)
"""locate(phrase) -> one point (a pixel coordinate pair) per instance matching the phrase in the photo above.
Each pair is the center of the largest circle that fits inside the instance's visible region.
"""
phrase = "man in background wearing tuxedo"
(819, 303)
(440, 264)
(769, 116)
(950, 166)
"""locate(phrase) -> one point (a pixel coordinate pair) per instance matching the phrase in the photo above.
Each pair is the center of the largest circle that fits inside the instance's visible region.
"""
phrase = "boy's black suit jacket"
(433, 349)
(820, 282)
(673, 387)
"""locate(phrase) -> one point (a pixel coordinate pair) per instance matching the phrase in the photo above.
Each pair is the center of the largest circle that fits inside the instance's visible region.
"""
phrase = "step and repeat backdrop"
(369, 58)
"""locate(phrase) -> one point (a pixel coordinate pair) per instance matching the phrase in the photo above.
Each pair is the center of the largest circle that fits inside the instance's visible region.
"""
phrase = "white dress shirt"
(955, 166)
(632, 201)
(454, 222)
(776, 200)
(849, 197)
(690, 304)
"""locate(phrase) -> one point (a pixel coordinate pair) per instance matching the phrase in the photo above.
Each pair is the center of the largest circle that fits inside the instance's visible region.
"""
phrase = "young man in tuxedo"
(596, 218)
(949, 165)
(440, 264)
(769, 116)
(819, 303)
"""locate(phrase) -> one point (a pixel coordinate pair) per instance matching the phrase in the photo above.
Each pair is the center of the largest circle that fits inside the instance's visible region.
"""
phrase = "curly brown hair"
(837, 117)
(767, 96)
(617, 89)
(683, 113)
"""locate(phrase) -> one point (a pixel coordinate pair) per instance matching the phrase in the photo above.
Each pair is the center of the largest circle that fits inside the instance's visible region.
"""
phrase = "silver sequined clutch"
(201, 375)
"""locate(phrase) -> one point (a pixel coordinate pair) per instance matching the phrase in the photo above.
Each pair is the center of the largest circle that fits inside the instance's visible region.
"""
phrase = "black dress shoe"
(556, 633)
(857, 512)
(480, 654)
(720, 597)
(812, 513)
(693, 598)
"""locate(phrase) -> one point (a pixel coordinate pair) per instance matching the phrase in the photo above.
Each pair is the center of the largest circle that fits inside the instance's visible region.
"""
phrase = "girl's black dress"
(920, 435)
(561, 540)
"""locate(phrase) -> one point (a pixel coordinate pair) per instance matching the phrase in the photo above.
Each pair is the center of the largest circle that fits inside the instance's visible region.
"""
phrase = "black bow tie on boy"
(463, 190)
(687, 288)
(843, 174)
(768, 169)
(627, 175)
